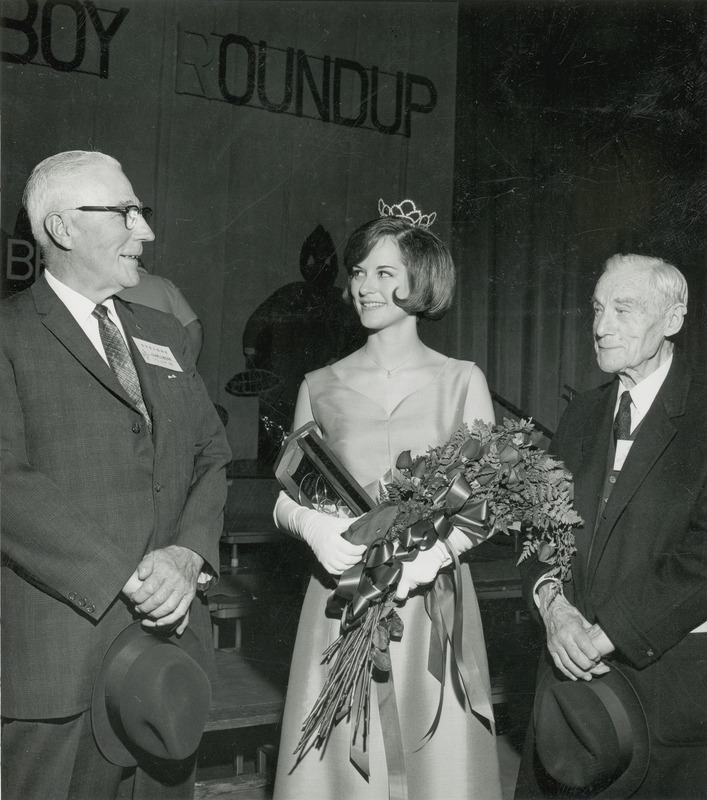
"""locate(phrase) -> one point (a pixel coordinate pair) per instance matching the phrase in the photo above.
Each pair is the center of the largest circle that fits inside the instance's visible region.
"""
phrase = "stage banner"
(260, 132)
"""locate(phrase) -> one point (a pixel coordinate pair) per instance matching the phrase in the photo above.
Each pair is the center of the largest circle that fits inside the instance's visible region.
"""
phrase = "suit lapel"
(589, 481)
(57, 318)
(656, 432)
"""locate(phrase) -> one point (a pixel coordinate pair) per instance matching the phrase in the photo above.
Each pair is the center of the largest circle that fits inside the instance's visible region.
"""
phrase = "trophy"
(313, 476)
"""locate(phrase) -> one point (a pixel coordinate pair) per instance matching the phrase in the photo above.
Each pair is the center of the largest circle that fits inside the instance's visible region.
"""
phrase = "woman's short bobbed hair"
(431, 271)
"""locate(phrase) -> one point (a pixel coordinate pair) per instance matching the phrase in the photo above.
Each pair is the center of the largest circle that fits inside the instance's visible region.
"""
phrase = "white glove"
(459, 542)
(322, 532)
(422, 570)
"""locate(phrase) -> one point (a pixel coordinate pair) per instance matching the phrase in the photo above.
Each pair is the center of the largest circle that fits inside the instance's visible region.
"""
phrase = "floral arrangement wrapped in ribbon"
(485, 480)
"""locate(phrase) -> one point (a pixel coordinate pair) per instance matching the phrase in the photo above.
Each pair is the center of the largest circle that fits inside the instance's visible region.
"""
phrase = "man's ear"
(59, 230)
(674, 318)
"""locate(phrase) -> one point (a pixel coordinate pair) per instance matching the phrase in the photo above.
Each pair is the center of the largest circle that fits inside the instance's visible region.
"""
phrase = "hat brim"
(634, 773)
(108, 741)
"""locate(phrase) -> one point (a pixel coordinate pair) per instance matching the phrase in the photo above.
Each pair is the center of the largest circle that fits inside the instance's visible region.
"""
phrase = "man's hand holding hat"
(575, 645)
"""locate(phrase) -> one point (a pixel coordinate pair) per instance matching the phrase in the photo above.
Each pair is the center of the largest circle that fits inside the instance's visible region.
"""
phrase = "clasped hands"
(163, 586)
(576, 646)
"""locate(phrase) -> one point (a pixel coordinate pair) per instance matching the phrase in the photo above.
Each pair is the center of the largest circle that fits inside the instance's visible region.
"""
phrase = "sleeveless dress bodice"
(460, 761)
(367, 439)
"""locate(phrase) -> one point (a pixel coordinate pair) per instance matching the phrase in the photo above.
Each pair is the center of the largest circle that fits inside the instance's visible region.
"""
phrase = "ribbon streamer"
(377, 574)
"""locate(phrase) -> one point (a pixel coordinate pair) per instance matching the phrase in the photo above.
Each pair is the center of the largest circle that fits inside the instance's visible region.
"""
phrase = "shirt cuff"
(540, 581)
(205, 581)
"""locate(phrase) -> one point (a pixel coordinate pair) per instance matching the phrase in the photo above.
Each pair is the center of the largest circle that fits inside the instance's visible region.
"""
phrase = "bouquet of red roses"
(484, 480)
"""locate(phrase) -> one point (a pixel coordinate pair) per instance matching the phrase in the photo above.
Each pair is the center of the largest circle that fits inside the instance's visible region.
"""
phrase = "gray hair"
(667, 284)
(45, 184)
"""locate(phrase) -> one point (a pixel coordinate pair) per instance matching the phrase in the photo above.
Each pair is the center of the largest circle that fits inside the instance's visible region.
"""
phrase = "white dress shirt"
(642, 396)
(81, 309)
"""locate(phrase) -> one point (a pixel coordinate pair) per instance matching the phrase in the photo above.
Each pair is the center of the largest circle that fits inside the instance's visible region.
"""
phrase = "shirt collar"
(79, 305)
(644, 393)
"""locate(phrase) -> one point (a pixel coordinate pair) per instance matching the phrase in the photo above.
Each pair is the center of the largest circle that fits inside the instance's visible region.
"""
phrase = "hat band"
(619, 717)
(117, 673)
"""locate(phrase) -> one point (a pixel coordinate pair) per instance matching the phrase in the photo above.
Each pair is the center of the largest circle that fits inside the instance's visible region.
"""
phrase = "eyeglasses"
(131, 213)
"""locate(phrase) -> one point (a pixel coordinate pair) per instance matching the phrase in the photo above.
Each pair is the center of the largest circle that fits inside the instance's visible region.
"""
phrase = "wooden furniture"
(229, 601)
(246, 693)
(248, 520)
(248, 514)
(496, 580)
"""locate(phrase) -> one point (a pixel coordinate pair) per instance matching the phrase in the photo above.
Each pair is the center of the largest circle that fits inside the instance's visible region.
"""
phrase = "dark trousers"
(59, 760)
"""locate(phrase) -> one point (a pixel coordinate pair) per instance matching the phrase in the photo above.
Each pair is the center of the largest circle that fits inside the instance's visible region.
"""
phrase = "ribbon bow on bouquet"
(377, 574)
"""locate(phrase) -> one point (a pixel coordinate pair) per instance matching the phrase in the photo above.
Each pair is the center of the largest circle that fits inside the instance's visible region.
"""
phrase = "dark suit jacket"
(642, 574)
(87, 491)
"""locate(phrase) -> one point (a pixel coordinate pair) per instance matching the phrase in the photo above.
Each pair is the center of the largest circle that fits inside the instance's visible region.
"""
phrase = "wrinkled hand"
(573, 642)
(422, 570)
(322, 532)
(168, 582)
(601, 641)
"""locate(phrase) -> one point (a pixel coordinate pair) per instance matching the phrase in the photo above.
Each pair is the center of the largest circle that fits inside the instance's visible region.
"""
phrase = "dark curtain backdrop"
(580, 133)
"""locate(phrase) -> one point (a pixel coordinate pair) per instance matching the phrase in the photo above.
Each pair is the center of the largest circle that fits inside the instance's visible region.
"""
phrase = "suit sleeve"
(201, 519)
(659, 603)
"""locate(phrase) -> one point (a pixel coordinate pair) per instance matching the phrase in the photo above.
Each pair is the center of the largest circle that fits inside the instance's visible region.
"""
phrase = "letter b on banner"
(22, 260)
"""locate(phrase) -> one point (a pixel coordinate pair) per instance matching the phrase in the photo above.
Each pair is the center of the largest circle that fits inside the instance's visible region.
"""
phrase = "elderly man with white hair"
(629, 627)
(113, 483)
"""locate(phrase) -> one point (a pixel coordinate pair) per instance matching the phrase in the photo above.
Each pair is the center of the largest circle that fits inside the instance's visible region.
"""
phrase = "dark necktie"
(120, 360)
(622, 423)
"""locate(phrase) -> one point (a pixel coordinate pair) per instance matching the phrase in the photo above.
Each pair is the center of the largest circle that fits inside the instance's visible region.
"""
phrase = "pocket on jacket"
(176, 381)
(681, 696)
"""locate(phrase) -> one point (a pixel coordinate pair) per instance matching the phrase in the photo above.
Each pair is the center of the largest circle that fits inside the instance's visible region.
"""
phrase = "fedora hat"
(150, 697)
(592, 736)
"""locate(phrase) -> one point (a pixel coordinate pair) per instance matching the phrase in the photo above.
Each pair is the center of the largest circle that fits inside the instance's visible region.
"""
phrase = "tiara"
(409, 211)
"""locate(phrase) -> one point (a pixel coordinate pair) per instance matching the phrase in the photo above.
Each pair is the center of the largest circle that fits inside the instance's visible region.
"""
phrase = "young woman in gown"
(394, 394)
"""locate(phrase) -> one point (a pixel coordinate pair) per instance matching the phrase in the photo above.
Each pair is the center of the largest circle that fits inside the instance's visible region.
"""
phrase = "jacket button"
(136, 427)
(81, 601)
(158, 487)
(650, 653)
(90, 609)
(72, 596)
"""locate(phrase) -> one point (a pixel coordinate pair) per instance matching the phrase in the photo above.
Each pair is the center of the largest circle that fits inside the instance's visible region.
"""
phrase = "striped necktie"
(120, 359)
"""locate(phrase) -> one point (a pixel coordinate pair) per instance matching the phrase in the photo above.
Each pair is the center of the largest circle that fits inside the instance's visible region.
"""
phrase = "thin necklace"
(388, 372)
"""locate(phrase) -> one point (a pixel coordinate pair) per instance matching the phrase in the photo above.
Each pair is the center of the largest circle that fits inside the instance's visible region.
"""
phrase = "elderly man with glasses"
(113, 482)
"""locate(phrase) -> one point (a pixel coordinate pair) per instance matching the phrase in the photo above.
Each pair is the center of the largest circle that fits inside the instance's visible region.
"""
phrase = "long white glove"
(322, 532)
(459, 543)
(428, 563)
(422, 570)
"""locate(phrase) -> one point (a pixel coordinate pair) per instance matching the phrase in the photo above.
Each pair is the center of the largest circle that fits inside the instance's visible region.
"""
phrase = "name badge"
(622, 449)
(157, 354)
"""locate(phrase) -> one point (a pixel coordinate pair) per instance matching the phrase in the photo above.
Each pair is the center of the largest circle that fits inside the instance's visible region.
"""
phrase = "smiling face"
(630, 324)
(102, 254)
(374, 283)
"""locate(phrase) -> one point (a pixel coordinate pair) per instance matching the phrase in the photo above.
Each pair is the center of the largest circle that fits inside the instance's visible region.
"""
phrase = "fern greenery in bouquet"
(485, 480)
